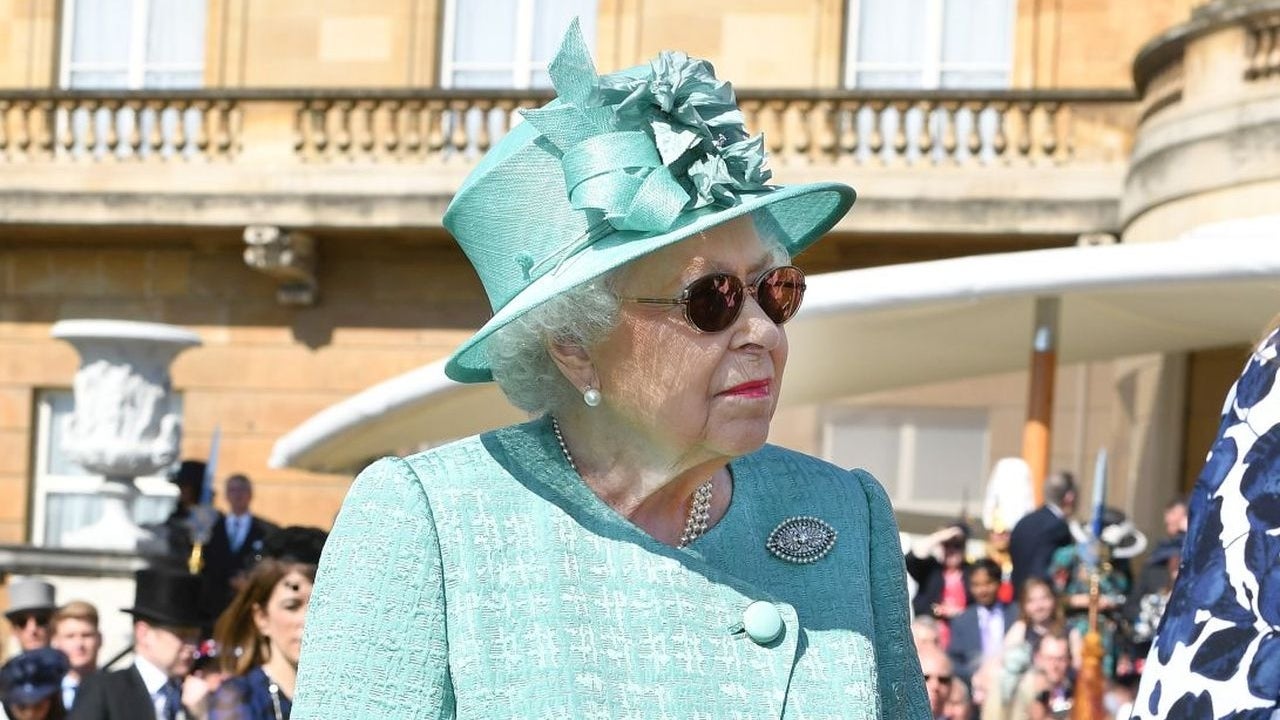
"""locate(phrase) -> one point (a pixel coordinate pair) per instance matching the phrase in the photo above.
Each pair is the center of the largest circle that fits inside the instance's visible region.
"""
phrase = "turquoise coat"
(483, 579)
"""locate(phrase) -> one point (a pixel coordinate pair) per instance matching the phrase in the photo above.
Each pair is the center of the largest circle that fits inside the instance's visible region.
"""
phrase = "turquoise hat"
(613, 169)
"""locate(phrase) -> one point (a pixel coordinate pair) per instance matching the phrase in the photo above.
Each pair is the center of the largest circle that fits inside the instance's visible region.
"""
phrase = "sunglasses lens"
(714, 302)
(779, 293)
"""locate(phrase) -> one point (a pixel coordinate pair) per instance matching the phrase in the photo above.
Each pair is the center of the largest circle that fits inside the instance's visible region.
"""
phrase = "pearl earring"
(591, 396)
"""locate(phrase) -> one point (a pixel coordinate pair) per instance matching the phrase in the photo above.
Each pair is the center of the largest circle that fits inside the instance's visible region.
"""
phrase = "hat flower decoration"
(616, 167)
(642, 150)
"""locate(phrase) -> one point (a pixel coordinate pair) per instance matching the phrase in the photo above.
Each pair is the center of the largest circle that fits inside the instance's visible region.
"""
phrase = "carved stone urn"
(122, 426)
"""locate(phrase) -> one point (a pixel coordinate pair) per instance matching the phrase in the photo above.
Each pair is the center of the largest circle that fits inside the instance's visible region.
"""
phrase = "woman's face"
(280, 621)
(1039, 604)
(695, 395)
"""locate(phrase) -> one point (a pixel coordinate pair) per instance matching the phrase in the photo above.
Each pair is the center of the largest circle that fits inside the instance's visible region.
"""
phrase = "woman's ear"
(260, 620)
(574, 363)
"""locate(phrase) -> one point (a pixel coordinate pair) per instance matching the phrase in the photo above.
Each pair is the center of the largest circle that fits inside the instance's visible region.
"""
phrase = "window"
(507, 43)
(65, 494)
(929, 44)
(928, 459)
(131, 45)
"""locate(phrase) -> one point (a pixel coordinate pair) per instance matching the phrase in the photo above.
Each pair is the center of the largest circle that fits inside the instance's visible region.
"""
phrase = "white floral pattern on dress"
(1216, 654)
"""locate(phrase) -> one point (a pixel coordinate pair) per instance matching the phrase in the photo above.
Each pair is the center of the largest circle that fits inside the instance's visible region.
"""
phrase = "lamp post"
(122, 427)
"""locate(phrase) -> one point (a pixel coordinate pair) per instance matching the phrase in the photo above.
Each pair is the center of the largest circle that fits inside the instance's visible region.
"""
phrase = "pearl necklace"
(699, 509)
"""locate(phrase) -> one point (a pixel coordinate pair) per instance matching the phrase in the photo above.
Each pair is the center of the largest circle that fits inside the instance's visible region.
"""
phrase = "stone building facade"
(275, 184)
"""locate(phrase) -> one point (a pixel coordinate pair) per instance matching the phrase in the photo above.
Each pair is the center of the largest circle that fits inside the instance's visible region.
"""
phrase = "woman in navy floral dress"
(1216, 654)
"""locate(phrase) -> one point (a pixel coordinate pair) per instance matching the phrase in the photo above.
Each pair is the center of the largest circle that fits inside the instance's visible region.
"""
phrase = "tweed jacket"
(483, 579)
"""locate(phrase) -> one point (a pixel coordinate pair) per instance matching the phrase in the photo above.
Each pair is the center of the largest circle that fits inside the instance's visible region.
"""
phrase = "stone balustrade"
(1043, 162)
(1262, 46)
(349, 126)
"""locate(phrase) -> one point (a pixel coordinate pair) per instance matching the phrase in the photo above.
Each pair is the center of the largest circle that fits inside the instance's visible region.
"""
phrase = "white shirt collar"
(1055, 510)
(153, 677)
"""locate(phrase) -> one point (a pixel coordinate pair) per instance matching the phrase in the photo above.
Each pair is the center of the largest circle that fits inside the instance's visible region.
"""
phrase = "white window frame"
(44, 482)
(137, 68)
(931, 74)
(522, 67)
(907, 418)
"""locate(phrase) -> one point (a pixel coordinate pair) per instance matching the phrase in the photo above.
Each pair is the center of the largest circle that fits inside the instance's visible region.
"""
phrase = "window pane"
(482, 79)
(552, 17)
(57, 462)
(485, 31)
(892, 31)
(101, 31)
(975, 79)
(175, 35)
(867, 442)
(950, 455)
(161, 80)
(898, 79)
(84, 80)
(69, 511)
(978, 32)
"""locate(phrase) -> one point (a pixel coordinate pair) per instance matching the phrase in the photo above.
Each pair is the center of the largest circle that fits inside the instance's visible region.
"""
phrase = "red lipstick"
(753, 389)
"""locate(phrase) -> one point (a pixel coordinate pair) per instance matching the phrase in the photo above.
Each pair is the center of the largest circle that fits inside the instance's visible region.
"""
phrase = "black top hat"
(190, 472)
(165, 597)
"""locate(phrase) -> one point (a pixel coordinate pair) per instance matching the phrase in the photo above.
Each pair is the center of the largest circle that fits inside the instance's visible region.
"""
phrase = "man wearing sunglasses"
(938, 676)
(31, 605)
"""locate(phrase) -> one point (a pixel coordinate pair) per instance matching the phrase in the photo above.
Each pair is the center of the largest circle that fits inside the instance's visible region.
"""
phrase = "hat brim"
(801, 213)
(166, 619)
(30, 695)
(11, 613)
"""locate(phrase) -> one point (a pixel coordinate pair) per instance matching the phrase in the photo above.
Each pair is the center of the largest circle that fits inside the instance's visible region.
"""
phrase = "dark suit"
(1033, 542)
(221, 563)
(965, 649)
(116, 695)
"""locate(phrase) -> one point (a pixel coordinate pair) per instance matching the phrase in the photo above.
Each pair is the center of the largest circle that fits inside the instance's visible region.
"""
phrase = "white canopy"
(879, 328)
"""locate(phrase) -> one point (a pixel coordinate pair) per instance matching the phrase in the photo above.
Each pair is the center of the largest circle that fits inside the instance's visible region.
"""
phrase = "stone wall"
(387, 304)
(28, 43)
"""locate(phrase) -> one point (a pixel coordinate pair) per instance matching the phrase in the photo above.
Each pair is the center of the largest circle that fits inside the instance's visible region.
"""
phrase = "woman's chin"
(743, 437)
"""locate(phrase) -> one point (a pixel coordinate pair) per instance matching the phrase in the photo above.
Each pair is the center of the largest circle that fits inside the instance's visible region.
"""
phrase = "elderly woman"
(636, 550)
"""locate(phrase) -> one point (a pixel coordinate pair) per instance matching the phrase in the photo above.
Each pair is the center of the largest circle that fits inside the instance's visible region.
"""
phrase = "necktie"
(172, 693)
(237, 538)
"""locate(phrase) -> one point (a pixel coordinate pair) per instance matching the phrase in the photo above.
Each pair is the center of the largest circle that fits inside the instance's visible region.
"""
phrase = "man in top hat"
(236, 540)
(166, 632)
(31, 605)
(190, 481)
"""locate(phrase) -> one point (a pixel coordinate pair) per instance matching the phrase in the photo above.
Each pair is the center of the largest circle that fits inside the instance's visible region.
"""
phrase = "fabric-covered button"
(762, 621)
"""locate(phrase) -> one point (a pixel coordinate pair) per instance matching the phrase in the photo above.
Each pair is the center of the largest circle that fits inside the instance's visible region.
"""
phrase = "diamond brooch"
(802, 539)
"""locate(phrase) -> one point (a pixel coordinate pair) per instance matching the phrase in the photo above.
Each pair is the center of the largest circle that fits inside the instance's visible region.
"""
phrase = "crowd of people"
(1001, 636)
(220, 644)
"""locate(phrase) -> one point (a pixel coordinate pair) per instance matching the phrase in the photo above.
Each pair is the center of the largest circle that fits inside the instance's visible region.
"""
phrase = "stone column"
(122, 427)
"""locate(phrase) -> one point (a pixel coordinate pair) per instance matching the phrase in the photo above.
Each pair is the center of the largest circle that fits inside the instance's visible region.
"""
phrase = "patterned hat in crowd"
(32, 676)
